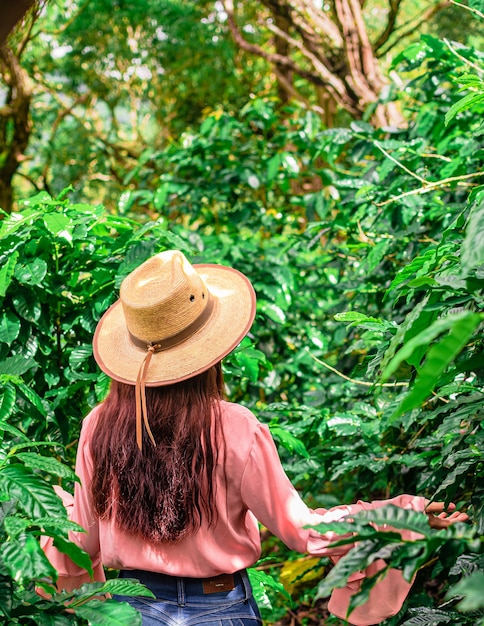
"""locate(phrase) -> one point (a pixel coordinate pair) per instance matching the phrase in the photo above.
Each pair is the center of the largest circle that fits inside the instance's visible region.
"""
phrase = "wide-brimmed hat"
(173, 320)
(192, 315)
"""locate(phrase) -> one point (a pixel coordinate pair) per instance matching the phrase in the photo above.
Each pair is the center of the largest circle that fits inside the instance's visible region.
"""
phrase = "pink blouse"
(253, 487)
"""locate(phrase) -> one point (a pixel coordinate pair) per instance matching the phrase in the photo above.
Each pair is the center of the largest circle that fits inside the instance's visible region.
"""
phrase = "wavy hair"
(163, 493)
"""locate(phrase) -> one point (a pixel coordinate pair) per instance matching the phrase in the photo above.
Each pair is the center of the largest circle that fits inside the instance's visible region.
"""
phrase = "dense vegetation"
(366, 249)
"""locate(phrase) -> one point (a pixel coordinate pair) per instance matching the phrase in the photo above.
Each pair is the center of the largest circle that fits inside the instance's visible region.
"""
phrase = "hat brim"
(231, 318)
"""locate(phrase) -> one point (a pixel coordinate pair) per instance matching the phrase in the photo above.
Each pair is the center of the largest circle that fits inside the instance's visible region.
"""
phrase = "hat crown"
(162, 297)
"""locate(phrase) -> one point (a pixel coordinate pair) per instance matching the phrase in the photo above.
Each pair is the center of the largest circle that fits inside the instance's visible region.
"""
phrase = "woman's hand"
(440, 517)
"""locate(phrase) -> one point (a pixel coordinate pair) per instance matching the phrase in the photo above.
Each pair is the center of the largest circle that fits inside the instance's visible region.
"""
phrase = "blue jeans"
(188, 602)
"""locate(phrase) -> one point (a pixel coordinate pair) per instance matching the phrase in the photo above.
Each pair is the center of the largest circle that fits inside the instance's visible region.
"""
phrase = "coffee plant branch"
(353, 380)
(430, 187)
(401, 165)
(464, 6)
(463, 59)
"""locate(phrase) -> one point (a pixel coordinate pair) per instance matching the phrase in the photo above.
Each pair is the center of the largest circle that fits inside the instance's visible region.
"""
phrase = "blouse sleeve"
(269, 495)
(80, 511)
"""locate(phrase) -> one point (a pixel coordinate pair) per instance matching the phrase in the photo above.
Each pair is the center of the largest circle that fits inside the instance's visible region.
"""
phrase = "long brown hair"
(162, 493)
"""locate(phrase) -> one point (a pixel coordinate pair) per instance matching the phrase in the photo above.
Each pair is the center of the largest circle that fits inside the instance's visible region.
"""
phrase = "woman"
(174, 479)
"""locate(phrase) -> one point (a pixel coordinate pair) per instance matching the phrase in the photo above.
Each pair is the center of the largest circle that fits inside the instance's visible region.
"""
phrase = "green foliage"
(365, 247)
(29, 509)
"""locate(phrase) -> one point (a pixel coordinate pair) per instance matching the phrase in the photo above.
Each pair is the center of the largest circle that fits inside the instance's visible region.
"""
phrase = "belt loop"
(246, 583)
(181, 592)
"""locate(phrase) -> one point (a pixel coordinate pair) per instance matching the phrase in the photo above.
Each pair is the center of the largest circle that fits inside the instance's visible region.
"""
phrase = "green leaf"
(472, 250)
(273, 167)
(290, 442)
(16, 365)
(470, 588)
(108, 613)
(7, 402)
(32, 397)
(15, 525)
(273, 312)
(9, 327)
(161, 195)
(32, 273)
(36, 497)
(261, 582)
(355, 318)
(438, 359)
(28, 306)
(50, 526)
(47, 619)
(126, 587)
(15, 221)
(248, 365)
(407, 324)
(425, 337)
(357, 559)
(80, 355)
(477, 4)
(75, 553)
(25, 560)
(59, 225)
(396, 517)
(465, 103)
(46, 464)
(4, 426)
(290, 162)
(6, 272)
(417, 267)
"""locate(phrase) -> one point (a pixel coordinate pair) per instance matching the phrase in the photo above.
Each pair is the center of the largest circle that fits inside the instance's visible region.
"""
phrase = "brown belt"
(217, 584)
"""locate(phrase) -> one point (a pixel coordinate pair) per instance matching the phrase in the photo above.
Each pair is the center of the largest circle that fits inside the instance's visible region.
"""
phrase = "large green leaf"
(43, 618)
(467, 102)
(32, 397)
(357, 559)
(438, 359)
(470, 589)
(418, 266)
(9, 327)
(32, 272)
(4, 426)
(36, 497)
(6, 271)
(7, 401)
(125, 587)
(108, 613)
(396, 517)
(75, 553)
(16, 365)
(291, 443)
(46, 464)
(262, 584)
(25, 559)
(59, 225)
(472, 251)
(426, 336)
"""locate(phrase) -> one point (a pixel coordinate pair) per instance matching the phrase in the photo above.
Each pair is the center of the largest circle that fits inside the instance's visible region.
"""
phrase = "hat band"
(173, 340)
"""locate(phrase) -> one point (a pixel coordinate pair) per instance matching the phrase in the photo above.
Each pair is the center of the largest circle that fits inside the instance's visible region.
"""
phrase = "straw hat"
(186, 317)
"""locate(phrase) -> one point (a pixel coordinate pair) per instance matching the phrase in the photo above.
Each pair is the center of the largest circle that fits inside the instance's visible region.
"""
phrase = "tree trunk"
(330, 49)
(12, 12)
(15, 126)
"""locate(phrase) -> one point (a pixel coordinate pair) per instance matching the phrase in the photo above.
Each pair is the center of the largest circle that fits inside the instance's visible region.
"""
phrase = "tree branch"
(390, 25)
(12, 12)
(430, 187)
(412, 27)
(276, 59)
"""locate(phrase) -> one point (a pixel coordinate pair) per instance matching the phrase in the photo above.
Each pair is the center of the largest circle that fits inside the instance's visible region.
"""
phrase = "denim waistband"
(183, 590)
